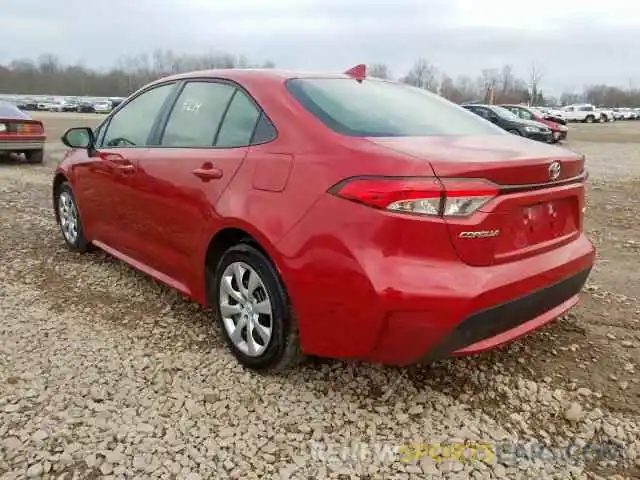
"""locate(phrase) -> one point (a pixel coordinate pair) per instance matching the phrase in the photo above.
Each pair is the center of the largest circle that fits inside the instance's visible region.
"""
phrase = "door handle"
(206, 174)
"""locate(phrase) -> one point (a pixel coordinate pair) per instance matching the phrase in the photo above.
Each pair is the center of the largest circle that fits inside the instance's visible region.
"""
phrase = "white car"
(606, 114)
(618, 113)
(102, 107)
(47, 105)
(553, 112)
(586, 113)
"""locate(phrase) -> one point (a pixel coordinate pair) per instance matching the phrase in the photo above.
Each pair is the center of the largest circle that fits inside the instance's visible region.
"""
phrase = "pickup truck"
(581, 113)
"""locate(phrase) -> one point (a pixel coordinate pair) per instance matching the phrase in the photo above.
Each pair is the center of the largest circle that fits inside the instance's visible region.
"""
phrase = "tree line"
(47, 75)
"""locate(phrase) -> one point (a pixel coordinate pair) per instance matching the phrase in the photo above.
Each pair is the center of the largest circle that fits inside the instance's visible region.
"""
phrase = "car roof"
(239, 74)
(255, 75)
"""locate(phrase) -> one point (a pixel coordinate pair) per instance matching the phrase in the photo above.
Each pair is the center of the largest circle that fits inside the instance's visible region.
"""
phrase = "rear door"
(200, 146)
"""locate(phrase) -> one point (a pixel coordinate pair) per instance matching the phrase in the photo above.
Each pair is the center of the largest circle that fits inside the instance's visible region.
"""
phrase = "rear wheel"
(589, 119)
(253, 311)
(34, 156)
(68, 218)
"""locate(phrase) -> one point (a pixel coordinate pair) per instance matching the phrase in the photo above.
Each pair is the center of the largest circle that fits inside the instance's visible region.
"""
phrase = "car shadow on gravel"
(13, 159)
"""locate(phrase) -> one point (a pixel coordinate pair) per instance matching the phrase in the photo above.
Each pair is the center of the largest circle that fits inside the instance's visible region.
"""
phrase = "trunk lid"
(535, 210)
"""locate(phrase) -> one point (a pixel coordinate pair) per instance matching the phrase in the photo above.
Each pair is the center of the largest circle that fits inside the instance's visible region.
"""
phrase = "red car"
(558, 131)
(331, 215)
(19, 133)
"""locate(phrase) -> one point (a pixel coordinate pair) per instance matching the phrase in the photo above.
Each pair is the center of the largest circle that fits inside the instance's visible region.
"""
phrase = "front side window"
(196, 115)
(131, 126)
(375, 108)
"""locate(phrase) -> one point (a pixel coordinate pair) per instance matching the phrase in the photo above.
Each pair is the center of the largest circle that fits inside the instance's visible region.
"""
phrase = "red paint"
(364, 282)
(359, 72)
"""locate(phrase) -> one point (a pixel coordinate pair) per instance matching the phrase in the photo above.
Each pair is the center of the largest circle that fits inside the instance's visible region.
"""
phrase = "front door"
(111, 175)
(203, 143)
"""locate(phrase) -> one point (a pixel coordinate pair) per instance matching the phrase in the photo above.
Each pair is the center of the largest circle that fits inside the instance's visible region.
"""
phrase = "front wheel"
(68, 218)
(253, 311)
(515, 132)
(589, 119)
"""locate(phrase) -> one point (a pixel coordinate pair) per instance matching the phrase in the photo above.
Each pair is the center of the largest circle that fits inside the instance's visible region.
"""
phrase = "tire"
(281, 349)
(515, 132)
(64, 214)
(589, 119)
(34, 156)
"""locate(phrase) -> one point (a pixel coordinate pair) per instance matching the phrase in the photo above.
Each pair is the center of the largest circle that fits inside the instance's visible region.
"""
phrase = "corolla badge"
(480, 234)
(554, 170)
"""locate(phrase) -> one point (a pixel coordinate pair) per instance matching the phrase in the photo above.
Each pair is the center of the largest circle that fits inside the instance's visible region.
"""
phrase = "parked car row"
(523, 121)
(66, 104)
(588, 113)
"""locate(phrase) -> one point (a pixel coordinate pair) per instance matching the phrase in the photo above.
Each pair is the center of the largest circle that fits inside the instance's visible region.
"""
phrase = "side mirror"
(79, 137)
(493, 118)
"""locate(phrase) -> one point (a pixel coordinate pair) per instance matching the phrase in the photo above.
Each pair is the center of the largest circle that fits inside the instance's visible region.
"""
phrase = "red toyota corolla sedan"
(332, 215)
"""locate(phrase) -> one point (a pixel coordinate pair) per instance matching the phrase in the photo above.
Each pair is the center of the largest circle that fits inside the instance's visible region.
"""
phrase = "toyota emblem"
(554, 170)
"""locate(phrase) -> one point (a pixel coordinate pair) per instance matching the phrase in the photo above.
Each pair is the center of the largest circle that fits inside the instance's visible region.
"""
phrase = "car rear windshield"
(376, 108)
(8, 110)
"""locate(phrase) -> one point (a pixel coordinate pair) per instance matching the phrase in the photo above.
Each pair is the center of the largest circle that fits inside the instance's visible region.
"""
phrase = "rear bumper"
(21, 145)
(376, 287)
(503, 323)
(485, 307)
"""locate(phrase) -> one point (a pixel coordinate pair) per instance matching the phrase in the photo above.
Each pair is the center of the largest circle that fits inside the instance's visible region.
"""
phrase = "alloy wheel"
(245, 309)
(68, 214)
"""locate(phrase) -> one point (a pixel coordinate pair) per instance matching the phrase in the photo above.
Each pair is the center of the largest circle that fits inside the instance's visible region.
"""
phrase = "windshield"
(375, 108)
(504, 113)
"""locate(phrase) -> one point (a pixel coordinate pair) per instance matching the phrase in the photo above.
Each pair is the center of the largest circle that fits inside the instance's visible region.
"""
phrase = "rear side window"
(264, 132)
(239, 122)
(375, 108)
(196, 115)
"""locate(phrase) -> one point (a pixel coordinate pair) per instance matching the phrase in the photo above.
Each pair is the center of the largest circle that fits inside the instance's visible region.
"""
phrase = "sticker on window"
(190, 106)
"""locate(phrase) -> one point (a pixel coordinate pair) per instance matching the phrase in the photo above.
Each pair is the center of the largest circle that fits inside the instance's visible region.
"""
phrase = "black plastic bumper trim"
(495, 320)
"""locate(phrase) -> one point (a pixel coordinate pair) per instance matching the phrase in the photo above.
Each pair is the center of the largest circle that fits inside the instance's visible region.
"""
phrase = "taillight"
(419, 195)
(463, 197)
(30, 128)
(22, 128)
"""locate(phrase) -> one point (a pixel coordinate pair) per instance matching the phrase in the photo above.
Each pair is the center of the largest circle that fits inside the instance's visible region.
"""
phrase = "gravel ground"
(106, 374)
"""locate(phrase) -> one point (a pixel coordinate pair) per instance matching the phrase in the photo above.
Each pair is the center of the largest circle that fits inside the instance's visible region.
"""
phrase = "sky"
(572, 42)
